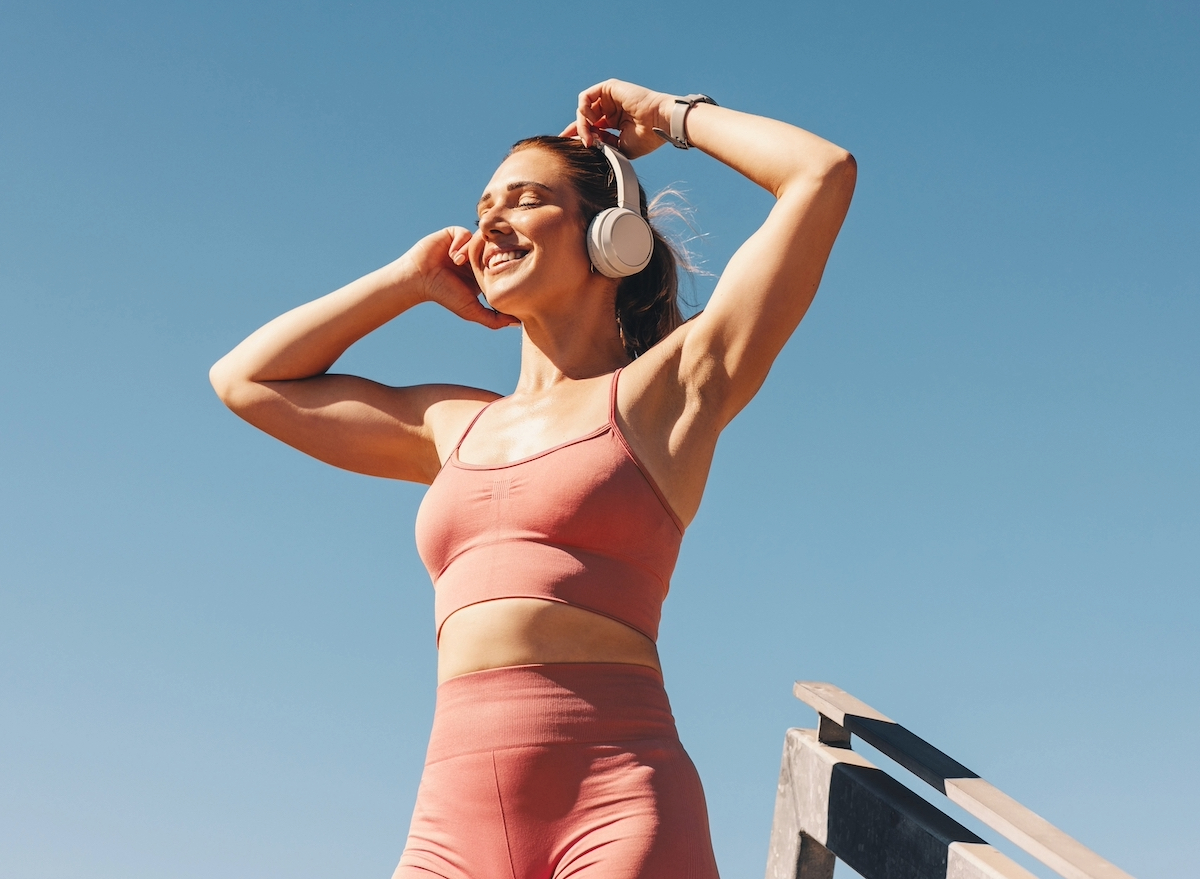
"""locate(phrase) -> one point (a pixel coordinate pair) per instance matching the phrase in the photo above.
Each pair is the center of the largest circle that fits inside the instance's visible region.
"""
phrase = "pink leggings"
(554, 771)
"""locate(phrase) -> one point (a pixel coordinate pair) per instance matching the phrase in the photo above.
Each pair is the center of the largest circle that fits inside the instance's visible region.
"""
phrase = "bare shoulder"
(448, 412)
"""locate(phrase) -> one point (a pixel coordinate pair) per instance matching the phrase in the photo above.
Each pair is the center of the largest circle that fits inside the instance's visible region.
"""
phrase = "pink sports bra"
(581, 523)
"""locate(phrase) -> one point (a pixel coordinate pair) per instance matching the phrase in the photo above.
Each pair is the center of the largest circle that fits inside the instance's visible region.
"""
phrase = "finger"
(502, 320)
(607, 112)
(457, 256)
(591, 97)
(460, 236)
(586, 116)
(571, 130)
(582, 128)
(479, 313)
(460, 239)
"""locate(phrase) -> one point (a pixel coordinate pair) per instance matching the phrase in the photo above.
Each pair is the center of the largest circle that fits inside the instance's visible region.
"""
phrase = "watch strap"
(678, 134)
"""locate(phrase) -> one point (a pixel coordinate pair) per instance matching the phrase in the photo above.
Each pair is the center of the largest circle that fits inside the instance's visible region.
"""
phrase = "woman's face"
(530, 246)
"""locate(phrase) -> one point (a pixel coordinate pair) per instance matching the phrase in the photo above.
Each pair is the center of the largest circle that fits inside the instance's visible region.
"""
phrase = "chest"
(586, 493)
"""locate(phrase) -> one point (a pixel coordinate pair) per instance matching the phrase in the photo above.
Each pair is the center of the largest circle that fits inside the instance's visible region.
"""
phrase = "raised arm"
(277, 378)
(771, 280)
(677, 397)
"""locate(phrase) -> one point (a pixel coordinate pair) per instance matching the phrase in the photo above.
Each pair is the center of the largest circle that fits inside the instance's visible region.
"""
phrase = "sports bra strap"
(612, 410)
(472, 424)
(612, 398)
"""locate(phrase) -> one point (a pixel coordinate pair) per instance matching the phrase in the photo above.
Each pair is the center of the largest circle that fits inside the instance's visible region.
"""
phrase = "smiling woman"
(555, 514)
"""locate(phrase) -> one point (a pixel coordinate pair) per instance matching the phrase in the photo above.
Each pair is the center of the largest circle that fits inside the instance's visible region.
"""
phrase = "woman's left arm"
(769, 283)
(772, 278)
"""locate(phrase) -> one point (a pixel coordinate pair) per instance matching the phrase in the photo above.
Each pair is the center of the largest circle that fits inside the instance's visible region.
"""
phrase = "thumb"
(475, 311)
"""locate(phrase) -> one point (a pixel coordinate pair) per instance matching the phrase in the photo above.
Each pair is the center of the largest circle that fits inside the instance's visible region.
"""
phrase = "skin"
(673, 401)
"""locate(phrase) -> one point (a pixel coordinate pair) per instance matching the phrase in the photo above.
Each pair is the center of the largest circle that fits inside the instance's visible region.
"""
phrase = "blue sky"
(969, 492)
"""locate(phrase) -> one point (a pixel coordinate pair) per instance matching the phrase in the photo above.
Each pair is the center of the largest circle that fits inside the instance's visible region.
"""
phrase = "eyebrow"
(519, 184)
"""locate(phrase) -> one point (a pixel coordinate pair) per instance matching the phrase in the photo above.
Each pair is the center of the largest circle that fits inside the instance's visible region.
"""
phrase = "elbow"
(837, 177)
(842, 170)
(225, 382)
(834, 171)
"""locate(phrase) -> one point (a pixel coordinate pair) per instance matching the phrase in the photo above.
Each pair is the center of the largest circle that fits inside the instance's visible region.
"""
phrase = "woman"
(555, 514)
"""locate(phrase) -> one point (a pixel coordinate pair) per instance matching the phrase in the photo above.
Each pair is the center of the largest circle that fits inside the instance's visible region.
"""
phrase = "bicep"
(765, 290)
(357, 424)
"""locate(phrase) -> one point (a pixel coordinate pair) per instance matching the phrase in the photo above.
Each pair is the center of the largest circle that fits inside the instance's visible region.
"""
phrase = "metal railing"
(832, 803)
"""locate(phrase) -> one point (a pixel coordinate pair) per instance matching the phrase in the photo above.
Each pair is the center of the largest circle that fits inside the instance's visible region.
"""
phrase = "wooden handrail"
(842, 715)
(831, 804)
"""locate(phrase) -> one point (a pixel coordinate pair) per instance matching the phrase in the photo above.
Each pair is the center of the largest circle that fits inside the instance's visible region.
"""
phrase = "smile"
(504, 257)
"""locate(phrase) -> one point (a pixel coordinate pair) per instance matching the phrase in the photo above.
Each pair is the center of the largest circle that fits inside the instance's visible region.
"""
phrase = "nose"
(494, 221)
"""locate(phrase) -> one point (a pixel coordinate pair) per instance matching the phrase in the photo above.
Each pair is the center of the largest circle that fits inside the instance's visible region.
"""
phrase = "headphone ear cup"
(619, 242)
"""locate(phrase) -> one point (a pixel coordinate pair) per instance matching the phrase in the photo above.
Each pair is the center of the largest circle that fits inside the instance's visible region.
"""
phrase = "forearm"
(773, 154)
(307, 340)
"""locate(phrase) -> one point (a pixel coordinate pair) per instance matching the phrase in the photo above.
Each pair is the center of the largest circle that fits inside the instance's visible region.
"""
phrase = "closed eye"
(523, 203)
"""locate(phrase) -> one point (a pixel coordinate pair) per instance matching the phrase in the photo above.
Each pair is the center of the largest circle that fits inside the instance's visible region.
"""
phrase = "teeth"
(505, 256)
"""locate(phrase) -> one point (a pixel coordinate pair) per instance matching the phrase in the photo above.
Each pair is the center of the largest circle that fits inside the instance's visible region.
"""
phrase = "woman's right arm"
(277, 378)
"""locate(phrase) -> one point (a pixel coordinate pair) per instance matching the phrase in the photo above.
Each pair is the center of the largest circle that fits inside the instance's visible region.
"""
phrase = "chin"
(506, 299)
(520, 296)
(498, 293)
(512, 291)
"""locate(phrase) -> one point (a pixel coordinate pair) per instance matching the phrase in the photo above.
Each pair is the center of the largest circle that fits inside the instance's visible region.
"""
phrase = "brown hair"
(648, 302)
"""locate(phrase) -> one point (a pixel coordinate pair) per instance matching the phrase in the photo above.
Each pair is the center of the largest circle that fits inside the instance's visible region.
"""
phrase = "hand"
(440, 261)
(635, 111)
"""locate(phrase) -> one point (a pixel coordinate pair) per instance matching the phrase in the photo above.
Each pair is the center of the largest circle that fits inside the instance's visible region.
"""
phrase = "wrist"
(674, 130)
(403, 281)
(665, 106)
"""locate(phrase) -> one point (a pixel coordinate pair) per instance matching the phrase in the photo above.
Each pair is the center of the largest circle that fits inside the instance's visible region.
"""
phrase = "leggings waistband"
(549, 704)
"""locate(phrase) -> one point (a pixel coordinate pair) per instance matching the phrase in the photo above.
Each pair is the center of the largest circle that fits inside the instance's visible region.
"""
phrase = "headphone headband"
(627, 185)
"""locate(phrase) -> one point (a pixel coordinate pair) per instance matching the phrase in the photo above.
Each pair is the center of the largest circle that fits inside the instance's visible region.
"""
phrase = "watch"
(678, 136)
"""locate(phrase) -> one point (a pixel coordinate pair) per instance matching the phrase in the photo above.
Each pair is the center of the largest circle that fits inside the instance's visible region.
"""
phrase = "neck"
(570, 347)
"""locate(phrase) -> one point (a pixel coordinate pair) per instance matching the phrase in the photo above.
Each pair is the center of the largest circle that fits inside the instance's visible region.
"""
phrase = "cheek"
(475, 255)
(570, 242)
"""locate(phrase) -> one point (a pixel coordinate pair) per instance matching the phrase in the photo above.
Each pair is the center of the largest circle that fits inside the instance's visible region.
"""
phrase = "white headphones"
(619, 240)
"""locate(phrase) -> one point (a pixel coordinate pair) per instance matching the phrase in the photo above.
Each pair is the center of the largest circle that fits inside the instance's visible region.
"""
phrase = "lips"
(502, 258)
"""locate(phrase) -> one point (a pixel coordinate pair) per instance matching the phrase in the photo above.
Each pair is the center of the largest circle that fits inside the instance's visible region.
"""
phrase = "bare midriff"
(532, 631)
